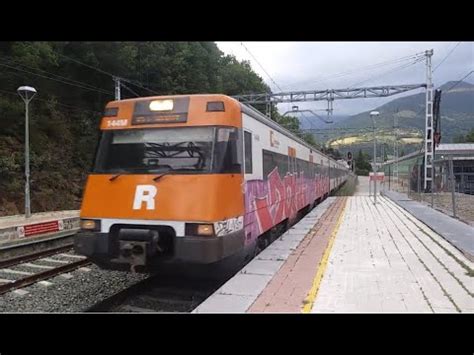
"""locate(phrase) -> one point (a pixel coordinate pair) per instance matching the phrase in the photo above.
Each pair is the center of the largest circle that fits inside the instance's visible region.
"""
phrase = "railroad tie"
(38, 266)
(73, 256)
(11, 271)
(49, 260)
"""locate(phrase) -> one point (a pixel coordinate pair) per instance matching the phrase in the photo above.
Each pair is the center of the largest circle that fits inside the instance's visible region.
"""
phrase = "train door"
(248, 153)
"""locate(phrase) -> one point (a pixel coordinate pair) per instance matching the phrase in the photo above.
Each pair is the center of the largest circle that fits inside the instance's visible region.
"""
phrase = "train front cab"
(166, 185)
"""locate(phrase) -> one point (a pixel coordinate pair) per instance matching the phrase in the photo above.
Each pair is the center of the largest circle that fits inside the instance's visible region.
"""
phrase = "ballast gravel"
(75, 294)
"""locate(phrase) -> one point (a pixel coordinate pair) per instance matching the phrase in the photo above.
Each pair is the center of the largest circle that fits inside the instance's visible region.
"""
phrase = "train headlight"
(198, 229)
(161, 105)
(90, 225)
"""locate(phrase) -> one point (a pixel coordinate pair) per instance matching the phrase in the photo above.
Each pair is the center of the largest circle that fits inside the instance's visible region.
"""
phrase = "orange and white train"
(195, 179)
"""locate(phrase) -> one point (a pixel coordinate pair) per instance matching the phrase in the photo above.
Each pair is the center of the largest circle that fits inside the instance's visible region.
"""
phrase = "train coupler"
(133, 253)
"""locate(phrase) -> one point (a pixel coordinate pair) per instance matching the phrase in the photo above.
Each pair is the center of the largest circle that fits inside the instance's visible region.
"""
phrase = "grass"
(348, 188)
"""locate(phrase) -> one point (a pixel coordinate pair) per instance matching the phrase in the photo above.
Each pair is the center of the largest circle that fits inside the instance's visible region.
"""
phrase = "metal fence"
(452, 193)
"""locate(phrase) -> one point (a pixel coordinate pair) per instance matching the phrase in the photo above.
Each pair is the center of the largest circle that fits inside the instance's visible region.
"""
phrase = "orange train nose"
(204, 197)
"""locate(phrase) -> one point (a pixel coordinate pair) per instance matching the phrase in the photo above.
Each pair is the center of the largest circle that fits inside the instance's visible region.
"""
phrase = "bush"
(362, 172)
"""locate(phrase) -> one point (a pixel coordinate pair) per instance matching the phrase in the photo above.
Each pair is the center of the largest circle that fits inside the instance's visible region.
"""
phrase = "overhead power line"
(390, 71)
(360, 69)
(261, 66)
(460, 80)
(58, 80)
(57, 102)
(86, 65)
(453, 86)
(126, 87)
(12, 61)
(451, 51)
(133, 82)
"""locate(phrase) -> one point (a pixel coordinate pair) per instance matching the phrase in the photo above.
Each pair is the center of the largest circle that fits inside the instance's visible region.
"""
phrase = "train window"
(155, 150)
(227, 151)
(184, 149)
(268, 162)
(272, 160)
(248, 152)
(282, 163)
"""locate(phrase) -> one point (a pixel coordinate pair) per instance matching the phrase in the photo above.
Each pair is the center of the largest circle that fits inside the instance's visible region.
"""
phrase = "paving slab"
(384, 260)
(241, 291)
(219, 303)
(456, 232)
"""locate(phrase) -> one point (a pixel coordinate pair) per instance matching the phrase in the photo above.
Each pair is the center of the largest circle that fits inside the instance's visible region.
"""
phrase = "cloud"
(338, 65)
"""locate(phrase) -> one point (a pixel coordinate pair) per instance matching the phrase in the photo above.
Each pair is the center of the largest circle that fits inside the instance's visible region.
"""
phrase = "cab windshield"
(182, 149)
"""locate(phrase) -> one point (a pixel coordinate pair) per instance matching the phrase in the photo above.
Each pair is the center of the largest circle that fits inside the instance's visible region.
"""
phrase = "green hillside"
(73, 87)
(457, 117)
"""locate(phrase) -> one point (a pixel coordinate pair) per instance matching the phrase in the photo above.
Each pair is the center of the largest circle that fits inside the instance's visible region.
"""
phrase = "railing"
(452, 193)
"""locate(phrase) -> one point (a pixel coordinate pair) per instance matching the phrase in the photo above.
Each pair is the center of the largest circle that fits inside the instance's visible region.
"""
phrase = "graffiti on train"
(270, 201)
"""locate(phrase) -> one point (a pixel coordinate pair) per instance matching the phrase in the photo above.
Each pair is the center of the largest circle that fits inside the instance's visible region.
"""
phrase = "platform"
(349, 255)
(458, 233)
(242, 291)
(15, 230)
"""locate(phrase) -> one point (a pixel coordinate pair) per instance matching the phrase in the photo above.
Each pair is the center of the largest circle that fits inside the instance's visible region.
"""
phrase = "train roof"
(244, 108)
(459, 151)
(455, 148)
(405, 157)
(249, 110)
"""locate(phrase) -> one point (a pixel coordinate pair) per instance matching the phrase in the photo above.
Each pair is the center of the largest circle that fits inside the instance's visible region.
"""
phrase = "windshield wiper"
(167, 172)
(112, 178)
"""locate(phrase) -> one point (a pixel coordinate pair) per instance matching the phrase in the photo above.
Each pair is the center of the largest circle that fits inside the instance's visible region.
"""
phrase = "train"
(193, 180)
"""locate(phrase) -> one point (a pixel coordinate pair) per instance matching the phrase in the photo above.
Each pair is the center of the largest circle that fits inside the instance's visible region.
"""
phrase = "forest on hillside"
(74, 81)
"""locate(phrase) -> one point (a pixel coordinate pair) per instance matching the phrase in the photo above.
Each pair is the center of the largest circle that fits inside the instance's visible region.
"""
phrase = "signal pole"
(373, 114)
(395, 147)
(429, 168)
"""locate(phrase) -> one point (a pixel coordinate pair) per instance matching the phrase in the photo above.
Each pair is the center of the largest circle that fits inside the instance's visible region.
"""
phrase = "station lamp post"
(373, 114)
(27, 93)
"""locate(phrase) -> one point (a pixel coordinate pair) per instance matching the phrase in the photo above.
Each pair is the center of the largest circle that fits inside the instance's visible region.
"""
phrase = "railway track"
(11, 250)
(169, 291)
(25, 270)
(178, 293)
(159, 294)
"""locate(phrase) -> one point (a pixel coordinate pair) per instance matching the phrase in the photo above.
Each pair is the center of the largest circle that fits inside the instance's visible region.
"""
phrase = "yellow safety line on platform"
(309, 300)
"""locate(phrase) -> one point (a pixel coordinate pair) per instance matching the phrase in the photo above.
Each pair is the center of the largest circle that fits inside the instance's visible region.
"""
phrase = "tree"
(468, 138)
(291, 123)
(362, 163)
(74, 84)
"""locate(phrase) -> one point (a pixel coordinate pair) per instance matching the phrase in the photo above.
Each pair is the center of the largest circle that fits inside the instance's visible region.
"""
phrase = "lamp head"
(26, 92)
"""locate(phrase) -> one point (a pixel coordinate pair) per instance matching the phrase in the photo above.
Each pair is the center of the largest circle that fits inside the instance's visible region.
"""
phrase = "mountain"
(309, 121)
(457, 117)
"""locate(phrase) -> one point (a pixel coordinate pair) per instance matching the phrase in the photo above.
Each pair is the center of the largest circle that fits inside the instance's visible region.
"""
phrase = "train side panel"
(283, 178)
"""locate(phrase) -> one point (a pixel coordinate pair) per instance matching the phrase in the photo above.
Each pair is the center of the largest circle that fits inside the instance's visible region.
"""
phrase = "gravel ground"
(80, 292)
(443, 202)
(170, 295)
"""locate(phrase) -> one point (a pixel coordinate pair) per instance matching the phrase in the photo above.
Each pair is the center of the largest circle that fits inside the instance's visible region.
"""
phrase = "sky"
(339, 65)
